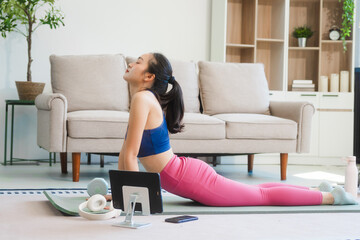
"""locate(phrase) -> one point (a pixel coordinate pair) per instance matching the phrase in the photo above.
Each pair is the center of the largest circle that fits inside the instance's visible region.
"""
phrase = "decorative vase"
(29, 90)
(302, 42)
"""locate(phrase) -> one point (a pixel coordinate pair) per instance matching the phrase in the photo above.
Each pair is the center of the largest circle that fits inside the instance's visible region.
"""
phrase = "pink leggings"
(194, 179)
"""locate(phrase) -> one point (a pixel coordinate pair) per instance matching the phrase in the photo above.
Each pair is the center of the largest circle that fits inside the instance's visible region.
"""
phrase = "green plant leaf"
(347, 20)
(25, 12)
(302, 32)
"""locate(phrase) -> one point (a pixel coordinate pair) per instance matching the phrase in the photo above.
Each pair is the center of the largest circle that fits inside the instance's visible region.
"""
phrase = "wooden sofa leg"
(89, 158)
(215, 161)
(102, 160)
(63, 160)
(250, 163)
(283, 165)
(76, 166)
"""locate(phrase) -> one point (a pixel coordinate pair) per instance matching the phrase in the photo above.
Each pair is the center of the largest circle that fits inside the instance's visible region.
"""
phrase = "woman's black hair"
(171, 102)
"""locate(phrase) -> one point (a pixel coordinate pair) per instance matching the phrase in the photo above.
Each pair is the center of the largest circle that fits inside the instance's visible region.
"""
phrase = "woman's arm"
(121, 158)
(139, 111)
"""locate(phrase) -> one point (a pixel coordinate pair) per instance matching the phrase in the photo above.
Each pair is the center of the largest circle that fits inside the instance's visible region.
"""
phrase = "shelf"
(334, 60)
(331, 15)
(271, 55)
(309, 1)
(235, 45)
(271, 19)
(304, 13)
(336, 41)
(304, 48)
(240, 55)
(261, 31)
(241, 13)
(304, 93)
(303, 65)
(256, 32)
(270, 40)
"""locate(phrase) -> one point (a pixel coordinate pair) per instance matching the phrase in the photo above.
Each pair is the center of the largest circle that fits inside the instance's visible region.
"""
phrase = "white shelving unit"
(261, 31)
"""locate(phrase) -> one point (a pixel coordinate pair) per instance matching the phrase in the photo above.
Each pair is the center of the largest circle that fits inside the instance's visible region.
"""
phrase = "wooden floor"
(50, 224)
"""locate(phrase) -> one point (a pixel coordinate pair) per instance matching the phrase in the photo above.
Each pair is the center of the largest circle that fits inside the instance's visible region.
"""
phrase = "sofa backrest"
(91, 82)
(233, 88)
(186, 75)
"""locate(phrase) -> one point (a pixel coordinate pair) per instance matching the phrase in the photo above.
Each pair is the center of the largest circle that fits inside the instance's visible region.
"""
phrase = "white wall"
(180, 29)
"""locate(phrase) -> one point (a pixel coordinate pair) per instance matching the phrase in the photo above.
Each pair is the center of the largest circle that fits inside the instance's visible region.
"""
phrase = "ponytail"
(171, 102)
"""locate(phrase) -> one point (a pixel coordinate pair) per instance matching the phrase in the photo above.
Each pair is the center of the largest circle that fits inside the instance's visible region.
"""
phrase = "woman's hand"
(108, 197)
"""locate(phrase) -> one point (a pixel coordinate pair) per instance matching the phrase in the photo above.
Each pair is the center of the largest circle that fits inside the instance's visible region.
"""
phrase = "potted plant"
(21, 16)
(348, 20)
(302, 33)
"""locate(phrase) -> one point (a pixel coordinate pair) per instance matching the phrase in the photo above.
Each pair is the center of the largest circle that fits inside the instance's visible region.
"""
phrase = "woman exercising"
(154, 112)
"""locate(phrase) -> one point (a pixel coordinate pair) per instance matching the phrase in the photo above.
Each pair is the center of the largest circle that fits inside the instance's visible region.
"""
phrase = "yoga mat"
(68, 205)
(177, 205)
(174, 205)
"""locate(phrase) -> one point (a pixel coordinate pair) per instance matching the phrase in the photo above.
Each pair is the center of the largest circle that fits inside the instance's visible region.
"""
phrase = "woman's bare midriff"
(156, 163)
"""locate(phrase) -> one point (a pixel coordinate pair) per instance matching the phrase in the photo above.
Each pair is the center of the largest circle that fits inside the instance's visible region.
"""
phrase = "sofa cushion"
(233, 88)
(258, 126)
(91, 82)
(97, 124)
(185, 74)
(201, 126)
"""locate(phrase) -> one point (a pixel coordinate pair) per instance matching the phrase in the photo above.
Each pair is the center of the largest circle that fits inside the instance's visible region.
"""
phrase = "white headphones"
(93, 209)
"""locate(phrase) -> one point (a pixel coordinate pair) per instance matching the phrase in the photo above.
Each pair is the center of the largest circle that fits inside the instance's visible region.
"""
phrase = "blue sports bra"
(154, 141)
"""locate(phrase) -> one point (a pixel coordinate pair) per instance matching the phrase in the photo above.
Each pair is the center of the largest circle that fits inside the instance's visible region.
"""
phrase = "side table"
(14, 103)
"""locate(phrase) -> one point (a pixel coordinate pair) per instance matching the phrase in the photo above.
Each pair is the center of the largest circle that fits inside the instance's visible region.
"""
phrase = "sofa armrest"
(44, 101)
(300, 112)
(51, 121)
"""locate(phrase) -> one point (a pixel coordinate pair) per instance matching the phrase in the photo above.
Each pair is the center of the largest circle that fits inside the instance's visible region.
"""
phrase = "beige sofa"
(88, 111)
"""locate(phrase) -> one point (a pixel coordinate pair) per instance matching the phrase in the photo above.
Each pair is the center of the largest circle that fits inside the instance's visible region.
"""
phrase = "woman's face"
(136, 71)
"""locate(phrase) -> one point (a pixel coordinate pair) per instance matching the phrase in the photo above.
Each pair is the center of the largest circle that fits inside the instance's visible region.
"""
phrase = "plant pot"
(302, 42)
(29, 90)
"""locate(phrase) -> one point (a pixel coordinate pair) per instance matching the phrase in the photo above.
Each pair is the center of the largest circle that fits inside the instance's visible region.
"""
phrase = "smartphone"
(181, 219)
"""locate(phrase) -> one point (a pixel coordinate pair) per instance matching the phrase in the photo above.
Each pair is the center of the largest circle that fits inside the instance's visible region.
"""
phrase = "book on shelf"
(302, 81)
(303, 85)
